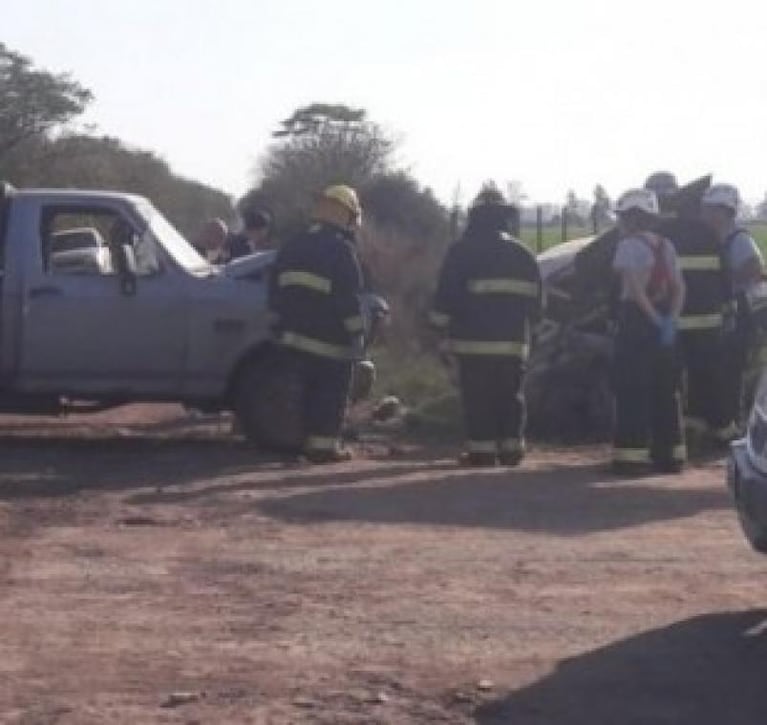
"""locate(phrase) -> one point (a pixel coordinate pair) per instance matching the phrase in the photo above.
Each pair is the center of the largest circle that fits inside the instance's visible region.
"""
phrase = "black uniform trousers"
(702, 353)
(737, 348)
(493, 405)
(648, 425)
(325, 384)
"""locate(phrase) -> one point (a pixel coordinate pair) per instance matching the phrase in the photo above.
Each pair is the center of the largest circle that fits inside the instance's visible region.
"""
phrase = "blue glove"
(667, 330)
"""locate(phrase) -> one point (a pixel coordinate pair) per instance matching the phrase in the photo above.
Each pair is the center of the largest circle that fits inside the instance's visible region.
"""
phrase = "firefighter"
(745, 268)
(702, 320)
(315, 297)
(488, 296)
(648, 427)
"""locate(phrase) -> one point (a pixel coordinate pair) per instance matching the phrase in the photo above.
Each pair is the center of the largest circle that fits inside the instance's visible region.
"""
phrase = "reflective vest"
(704, 273)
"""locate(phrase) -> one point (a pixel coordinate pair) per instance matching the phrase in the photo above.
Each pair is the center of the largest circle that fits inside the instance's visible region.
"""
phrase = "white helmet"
(639, 199)
(722, 195)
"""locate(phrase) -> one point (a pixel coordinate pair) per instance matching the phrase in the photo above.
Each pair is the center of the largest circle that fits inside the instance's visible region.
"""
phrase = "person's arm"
(637, 293)
(678, 288)
(750, 272)
(748, 264)
(678, 295)
(539, 303)
(347, 288)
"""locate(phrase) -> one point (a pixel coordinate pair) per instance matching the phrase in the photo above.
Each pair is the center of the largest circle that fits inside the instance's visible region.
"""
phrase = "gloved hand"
(667, 329)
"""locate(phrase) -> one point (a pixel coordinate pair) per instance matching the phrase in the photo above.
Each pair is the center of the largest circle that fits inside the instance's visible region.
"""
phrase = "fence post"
(539, 228)
(564, 224)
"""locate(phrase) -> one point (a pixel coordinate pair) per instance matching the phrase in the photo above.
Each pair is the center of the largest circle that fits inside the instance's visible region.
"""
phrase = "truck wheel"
(755, 532)
(269, 404)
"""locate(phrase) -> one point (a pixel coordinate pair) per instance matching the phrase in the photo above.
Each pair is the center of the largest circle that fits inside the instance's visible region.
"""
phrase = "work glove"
(667, 330)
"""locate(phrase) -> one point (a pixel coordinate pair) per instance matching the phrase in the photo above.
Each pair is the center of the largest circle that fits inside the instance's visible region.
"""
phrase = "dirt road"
(150, 574)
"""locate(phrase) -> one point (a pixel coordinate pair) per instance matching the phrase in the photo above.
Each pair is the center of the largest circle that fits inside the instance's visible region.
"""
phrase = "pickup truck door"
(89, 332)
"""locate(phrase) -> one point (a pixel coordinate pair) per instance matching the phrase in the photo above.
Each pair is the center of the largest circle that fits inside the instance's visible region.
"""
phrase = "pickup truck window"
(86, 241)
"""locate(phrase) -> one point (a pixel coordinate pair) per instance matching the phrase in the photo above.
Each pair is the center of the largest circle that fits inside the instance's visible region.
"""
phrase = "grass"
(759, 232)
(425, 387)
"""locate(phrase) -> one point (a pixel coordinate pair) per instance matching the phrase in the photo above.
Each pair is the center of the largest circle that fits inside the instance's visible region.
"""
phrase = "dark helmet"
(663, 183)
(490, 212)
(489, 195)
(256, 218)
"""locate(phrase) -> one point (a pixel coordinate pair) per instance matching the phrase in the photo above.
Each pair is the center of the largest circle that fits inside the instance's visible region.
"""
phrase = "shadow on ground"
(182, 470)
(565, 500)
(59, 466)
(708, 670)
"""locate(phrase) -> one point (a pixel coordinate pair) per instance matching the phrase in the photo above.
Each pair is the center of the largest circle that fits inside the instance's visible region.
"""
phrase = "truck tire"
(755, 532)
(269, 404)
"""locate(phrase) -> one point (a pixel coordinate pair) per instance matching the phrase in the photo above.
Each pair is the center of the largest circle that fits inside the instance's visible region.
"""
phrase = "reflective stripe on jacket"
(489, 294)
(314, 293)
(700, 259)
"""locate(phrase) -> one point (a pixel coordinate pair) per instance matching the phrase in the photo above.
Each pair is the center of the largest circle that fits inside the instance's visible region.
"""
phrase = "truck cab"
(149, 318)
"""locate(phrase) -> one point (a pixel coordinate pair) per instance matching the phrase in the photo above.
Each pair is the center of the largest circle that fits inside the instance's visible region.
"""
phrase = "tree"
(76, 161)
(318, 145)
(34, 101)
(405, 227)
(600, 209)
(601, 199)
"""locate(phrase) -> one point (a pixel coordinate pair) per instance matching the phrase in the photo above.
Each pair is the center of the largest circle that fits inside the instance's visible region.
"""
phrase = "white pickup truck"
(153, 322)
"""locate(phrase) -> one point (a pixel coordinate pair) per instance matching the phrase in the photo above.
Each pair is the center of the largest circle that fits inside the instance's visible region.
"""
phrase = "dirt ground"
(159, 572)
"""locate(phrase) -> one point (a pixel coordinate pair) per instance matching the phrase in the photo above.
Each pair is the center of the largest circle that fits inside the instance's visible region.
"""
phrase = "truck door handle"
(46, 291)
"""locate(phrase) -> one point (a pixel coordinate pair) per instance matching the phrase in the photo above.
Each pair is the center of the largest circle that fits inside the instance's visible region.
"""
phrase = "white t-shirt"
(635, 254)
(739, 249)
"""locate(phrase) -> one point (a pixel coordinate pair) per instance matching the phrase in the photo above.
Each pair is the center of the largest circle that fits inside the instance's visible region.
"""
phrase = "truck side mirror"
(127, 269)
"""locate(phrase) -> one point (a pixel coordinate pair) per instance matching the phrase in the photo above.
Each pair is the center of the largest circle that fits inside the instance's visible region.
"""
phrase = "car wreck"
(568, 386)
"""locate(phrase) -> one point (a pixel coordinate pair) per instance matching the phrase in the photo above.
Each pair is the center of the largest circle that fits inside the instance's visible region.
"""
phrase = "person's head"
(257, 224)
(489, 212)
(340, 206)
(664, 185)
(637, 211)
(719, 207)
(212, 235)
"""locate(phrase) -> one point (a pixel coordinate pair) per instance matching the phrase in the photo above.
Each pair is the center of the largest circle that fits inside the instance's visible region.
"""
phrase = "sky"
(556, 95)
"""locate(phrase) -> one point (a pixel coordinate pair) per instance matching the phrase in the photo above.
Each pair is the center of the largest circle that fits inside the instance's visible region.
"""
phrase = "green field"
(759, 232)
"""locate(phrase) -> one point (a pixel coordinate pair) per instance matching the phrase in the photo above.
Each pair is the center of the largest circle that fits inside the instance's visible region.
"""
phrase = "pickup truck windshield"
(166, 234)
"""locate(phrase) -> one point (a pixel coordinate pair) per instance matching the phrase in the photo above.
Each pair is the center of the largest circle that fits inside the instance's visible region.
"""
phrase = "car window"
(74, 242)
(92, 241)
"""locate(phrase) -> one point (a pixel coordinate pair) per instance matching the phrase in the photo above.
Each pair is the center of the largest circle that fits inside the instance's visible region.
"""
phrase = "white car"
(80, 251)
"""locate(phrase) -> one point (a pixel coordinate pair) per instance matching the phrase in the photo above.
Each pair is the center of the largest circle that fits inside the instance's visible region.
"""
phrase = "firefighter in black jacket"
(315, 296)
(488, 296)
(708, 296)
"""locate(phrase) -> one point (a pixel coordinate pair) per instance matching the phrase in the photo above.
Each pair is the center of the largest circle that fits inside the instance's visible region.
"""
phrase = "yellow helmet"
(328, 203)
(344, 195)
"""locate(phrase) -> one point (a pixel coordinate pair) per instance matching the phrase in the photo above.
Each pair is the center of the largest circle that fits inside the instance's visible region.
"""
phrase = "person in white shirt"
(648, 426)
(745, 265)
